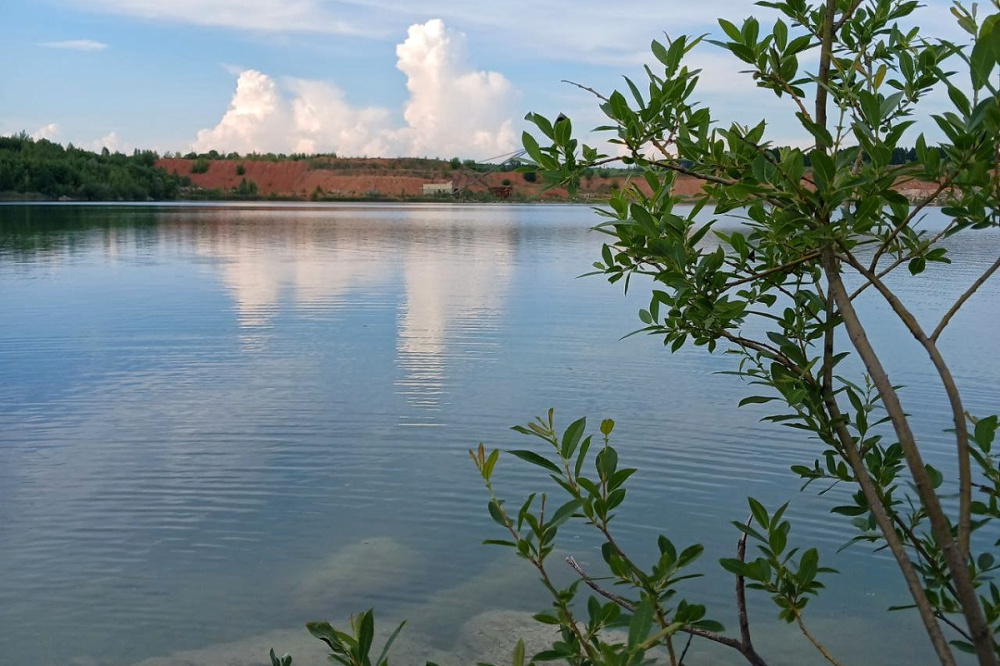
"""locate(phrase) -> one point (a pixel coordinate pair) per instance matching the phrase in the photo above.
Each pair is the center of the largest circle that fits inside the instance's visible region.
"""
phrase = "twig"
(624, 603)
(961, 301)
(741, 594)
(846, 16)
(906, 222)
(944, 618)
(745, 649)
(680, 662)
(940, 526)
(588, 89)
(816, 644)
(954, 400)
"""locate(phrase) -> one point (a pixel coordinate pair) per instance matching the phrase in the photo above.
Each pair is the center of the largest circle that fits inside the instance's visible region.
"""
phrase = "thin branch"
(684, 652)
(624, 603)
(954, 399)
(694, 174)
(962, 632)
(588, 89)
(816, 644)
(850, 451)
(940, 526)
(753, 277)
(747, 651)
(907, 221)
(961, 301)
(891, 267)
(825, 57)
(846, 16)
(765, 349)
(741, 593)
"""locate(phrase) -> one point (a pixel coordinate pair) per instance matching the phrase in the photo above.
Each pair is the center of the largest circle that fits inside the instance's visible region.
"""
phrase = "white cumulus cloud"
(452, 109)
(50, 132)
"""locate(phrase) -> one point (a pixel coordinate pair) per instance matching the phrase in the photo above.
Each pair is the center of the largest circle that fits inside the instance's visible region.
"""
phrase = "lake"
(218, 422)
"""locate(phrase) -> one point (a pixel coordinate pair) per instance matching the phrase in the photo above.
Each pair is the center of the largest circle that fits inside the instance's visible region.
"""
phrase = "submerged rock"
(341, 581)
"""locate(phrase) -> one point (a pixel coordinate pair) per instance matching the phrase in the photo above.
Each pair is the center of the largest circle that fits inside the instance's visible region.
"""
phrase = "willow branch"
(743, 647)
(588, 89)
(784, 268)
(982, 637)
(849, 449)
(964, 297)
(954, 399)
(816, 644)
(907, 221)
(741, 594)
(624, 603)
(846, 16)
(891, 267)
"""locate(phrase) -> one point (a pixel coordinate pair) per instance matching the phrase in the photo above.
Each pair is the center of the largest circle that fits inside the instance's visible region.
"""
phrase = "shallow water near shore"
(220, 422)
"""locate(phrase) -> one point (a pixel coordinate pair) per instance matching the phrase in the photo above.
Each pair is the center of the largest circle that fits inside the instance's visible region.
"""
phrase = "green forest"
(43, 169)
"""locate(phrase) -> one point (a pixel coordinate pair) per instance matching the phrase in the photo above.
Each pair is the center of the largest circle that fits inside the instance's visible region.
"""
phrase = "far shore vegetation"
(42, 170)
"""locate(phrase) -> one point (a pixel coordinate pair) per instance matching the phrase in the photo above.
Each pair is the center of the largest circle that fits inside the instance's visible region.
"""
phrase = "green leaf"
(535, 459)
(935, 476)
(755, 400)
(495, 513)
(531, 146)
(639, 625)
(366, 633)
(731, 30)
(808, 565)
(382, 659)
(981, 63)
(326, 633)
(690, 554)
(518, 658)
(571, 437)
(564, 513)
(732, 565)
(759, 512)
(499, 542)
(660, 52)
(545, 618)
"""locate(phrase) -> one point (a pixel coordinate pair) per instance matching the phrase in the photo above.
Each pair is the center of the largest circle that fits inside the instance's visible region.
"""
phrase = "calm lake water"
(219, 422)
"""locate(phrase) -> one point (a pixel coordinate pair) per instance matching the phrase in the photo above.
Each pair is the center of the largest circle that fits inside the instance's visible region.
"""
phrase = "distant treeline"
(899, 155)
(45, 169)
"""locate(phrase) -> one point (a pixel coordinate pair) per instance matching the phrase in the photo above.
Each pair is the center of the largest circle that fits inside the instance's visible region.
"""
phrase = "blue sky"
(430, 77)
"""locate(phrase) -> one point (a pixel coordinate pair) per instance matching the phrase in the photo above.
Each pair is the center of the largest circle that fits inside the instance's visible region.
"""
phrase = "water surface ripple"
(217, 421)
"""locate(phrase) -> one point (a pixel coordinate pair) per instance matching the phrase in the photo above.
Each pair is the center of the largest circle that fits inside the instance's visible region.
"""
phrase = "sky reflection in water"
(218, 421)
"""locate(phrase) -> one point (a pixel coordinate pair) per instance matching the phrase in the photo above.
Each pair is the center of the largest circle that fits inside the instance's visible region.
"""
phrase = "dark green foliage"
(240, 169)
(46, 169)
(778, 293)
(200, 165)
(353, 649)
(284, 660)
(246, 188)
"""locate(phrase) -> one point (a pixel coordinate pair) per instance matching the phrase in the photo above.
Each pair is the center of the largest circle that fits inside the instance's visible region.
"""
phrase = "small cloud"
(76, 45)
(49, 132)
(233, 70)
(111, 141)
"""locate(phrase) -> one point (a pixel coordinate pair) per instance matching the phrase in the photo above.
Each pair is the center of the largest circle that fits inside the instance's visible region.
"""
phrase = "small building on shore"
(439, 189)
